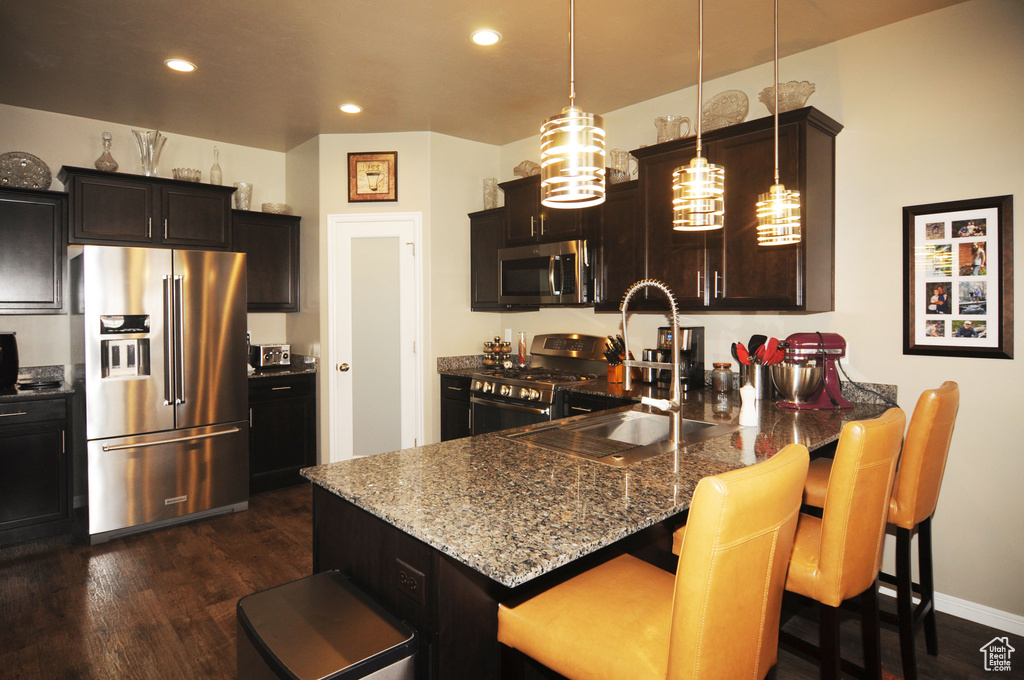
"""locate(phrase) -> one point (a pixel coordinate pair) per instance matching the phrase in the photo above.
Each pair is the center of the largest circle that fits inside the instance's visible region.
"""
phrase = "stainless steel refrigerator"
(159, 340)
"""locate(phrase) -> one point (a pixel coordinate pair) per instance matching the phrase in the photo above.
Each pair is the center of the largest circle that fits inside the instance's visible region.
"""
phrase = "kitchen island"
(440, 534)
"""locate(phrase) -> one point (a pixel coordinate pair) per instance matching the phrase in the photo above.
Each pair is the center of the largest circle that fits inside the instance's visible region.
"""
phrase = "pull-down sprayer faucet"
(673, 406)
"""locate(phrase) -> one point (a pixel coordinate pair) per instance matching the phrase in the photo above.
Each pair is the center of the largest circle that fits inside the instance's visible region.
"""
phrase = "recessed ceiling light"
(351, 108)
(486, 36)
(180, 65)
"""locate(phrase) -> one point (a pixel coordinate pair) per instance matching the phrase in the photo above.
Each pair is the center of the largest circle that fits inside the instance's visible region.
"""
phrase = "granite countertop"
(297, 367)
(38, 374)
(513, 512)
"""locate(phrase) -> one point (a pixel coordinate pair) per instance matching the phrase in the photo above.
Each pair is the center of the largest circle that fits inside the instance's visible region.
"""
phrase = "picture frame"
(958, 278)
(373, 176)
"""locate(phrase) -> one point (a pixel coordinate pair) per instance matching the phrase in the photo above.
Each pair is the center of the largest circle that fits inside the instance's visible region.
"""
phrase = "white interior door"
(374, 282)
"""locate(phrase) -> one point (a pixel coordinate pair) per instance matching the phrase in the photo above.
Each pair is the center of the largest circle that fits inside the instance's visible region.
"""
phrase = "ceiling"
(272, 73)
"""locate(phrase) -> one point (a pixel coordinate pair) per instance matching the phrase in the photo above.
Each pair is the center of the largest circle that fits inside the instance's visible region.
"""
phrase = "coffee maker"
(691, 357)
(8, 360)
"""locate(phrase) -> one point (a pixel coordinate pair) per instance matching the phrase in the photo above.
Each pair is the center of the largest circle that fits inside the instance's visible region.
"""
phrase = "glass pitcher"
(621, 166)
(670, 127)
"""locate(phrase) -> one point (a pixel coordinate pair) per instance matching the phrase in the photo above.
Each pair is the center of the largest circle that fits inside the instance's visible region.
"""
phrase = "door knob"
(343, 368)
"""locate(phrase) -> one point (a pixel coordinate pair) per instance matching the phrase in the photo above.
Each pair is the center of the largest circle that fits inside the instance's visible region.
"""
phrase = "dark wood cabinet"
(119, 209)
(282, 430)
(619, 255)
(456, 412)
(581, 403)
(271, 245)
(32, 251)
(527, 221)
(725, 270)
(35, 487)
(485, 240)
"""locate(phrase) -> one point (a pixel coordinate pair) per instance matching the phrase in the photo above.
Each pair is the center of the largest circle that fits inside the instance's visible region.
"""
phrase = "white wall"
(932, 112)
(59, 140)
(440, 177)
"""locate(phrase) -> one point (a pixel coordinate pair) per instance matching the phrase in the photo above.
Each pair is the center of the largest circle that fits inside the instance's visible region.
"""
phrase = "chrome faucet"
(673, 406)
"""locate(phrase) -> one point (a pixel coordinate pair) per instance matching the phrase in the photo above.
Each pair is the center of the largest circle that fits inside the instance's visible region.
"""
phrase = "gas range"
(528, 384)
(514, 397)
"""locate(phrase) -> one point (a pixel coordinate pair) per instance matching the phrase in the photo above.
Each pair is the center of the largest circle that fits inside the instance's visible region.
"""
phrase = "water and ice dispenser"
(123, 353)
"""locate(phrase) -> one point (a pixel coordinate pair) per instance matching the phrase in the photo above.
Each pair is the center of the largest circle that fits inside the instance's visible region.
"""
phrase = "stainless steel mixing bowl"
(796, 383)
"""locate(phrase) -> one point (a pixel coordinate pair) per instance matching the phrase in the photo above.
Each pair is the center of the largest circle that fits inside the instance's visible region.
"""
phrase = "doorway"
(375, 333)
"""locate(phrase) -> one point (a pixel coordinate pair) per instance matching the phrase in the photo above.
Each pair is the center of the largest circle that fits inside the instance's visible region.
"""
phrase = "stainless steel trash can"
(321, 628)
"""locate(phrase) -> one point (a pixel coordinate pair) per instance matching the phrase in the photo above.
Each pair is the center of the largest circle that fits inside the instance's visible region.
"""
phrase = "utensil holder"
(760, 378)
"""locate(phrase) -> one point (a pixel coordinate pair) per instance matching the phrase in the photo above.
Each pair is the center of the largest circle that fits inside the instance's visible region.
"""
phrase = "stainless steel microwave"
(545, 274)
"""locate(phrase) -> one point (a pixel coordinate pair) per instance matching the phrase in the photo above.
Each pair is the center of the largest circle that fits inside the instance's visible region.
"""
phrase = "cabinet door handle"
(531, 226)
(286, 387)
(542, 225)
(580, 408)
(716, 285)
(149, 228)
(15, 413)
(165, 228)
(250, 417)
(699, 293)
(457, 389)
(343, 368)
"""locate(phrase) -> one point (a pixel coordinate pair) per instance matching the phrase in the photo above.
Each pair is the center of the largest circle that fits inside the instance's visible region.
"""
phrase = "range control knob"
(506, 390)
(534, 394)
(488, 387)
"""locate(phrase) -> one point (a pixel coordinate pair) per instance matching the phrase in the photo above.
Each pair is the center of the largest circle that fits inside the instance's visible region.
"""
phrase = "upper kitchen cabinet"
(619, 259)
(271, 245)
(32, 254)
(527, 221)
(134, 210)
(725, 270)
(486, 238)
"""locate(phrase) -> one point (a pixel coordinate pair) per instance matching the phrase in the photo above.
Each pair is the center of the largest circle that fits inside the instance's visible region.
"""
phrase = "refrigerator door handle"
(169, 369)
(173, 440)
(179, 342)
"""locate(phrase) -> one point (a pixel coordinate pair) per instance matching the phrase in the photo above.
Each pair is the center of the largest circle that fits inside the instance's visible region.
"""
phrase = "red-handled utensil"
(770, 347)
(741, 354)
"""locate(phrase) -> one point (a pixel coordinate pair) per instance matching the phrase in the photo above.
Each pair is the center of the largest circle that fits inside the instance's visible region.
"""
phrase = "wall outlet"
(508, 335)
(410, 581)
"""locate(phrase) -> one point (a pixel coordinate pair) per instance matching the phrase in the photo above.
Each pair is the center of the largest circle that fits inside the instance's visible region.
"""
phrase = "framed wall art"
(373, 176)
(958, 278)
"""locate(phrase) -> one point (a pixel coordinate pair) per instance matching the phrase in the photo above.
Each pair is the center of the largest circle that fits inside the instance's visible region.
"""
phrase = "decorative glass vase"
(150, 145)
(216, 177)
(243, 195)
(106, 162)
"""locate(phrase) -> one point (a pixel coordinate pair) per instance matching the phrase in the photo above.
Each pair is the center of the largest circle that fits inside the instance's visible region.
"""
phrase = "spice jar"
(721, 378)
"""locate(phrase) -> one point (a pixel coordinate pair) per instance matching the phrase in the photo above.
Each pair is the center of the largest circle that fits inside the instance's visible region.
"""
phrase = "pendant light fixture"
(572, 156)
(698, 188)
(778, 210)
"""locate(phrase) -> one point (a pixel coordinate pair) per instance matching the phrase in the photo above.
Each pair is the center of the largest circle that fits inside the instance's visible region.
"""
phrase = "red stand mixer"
(807, 378)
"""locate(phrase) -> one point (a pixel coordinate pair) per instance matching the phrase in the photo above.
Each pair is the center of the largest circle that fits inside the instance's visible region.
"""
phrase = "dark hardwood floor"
(162, 604)
(156, 605)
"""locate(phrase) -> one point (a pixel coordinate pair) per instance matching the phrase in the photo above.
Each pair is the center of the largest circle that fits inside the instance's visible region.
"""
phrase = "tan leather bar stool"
(914, 497)
(837, 556)
(717, 618)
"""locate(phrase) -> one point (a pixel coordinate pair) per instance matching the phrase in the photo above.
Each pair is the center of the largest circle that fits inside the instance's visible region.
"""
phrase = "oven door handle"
(546, 411)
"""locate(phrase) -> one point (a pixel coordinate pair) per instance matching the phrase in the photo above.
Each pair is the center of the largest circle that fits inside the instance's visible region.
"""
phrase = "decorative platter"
(23, 170)
(728, 108)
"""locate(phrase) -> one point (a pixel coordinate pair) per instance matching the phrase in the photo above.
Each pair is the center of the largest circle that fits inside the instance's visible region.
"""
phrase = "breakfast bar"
(440, 534)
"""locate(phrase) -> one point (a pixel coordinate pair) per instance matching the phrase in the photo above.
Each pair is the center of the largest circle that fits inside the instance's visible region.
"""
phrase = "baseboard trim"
(971, 611)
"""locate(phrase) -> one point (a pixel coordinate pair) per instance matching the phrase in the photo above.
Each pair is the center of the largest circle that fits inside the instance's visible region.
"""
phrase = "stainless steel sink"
(620, 438)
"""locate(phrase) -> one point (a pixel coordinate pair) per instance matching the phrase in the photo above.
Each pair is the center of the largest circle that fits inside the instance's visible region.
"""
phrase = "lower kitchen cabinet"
(456, 413)
(35, 488)
(282, 430)
(579, 403)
